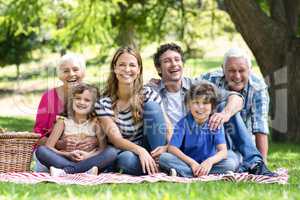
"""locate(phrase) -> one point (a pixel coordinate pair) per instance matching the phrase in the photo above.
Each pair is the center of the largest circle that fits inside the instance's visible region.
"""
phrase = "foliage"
(63, 25)
(20, 23)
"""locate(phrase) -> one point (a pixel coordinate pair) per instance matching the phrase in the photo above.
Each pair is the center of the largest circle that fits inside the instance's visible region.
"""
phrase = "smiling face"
(170, 66)
(237, 73)
(127, 69)
(70, 74)
(83, 103)
(200, 109)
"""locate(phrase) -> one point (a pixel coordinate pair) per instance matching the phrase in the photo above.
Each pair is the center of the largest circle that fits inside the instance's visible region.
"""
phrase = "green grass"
(281, 155)
(16, 123)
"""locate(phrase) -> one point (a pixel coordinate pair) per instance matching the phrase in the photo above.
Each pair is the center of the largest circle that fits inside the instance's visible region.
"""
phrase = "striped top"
(124, 119)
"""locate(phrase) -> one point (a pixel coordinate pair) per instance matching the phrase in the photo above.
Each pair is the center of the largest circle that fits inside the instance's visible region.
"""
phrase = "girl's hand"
(204, 168)
(147, 162)
(75, 155)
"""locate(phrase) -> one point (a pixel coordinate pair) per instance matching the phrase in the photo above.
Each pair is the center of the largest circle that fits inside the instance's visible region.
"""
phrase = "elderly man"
(172, 88)
(236, 75)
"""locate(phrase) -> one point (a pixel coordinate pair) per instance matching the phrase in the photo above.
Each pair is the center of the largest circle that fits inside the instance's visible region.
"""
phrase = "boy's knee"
(230, 164)
(165, 158)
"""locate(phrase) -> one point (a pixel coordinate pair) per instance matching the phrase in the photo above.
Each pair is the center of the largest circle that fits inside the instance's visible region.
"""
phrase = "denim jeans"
(168, 161)
(239, 139)
(50, 158)
(38, 166)
(154, 136)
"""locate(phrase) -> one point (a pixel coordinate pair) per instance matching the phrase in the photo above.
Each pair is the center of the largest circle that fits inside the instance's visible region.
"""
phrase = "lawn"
(281, 155)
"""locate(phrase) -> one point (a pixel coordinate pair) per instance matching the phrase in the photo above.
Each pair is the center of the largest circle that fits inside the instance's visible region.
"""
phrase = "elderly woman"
(71, 71)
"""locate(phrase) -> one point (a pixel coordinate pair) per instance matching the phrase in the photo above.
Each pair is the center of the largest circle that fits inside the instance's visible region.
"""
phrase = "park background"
(34, 34)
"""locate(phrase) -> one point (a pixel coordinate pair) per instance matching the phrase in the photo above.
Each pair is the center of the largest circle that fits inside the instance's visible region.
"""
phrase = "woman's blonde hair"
(111, 88)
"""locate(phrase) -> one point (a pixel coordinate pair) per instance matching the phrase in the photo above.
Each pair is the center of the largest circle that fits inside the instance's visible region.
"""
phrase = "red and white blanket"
(104, 178)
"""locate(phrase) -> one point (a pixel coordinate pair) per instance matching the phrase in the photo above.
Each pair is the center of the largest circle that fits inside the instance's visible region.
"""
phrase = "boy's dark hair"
(79, 89)
(162, 49)
(204, 90)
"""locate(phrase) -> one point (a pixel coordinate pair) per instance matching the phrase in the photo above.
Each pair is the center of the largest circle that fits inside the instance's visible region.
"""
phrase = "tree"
(271, 29)
(19, 34)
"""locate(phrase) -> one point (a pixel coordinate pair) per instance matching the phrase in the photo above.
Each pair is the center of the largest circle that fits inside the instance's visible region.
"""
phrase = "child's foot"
(229, 172)
(93, 171)
(172, 172)
(56, 172)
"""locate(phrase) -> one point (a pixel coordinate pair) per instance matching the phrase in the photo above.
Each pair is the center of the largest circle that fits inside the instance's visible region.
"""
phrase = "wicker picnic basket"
(16, 151)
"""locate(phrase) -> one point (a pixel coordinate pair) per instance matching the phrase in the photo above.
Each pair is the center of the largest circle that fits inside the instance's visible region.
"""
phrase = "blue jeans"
(168, 161)
(154, 136)
(39, 167)
(239, 139)
(50, 158)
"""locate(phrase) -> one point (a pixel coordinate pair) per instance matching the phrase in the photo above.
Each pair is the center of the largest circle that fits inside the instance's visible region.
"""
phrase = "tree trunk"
(126, 30)
(276, 48)
(18, 71)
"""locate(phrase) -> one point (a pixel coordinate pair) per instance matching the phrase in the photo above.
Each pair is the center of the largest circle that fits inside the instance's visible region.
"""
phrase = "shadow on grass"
(16, 123)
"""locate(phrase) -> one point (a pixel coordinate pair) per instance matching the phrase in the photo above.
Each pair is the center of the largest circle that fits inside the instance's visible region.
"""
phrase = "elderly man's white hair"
(236, 52)
(74, 58)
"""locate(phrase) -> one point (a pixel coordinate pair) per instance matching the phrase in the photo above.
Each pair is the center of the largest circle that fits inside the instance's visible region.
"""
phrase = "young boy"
(194, 149)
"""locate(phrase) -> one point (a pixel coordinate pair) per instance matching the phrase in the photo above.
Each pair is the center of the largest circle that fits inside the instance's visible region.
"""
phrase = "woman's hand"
(67, 143)
(147, 162)
(88, 144)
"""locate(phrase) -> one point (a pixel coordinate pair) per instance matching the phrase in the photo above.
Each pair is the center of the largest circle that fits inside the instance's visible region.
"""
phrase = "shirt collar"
(184, 81)
(192, 122)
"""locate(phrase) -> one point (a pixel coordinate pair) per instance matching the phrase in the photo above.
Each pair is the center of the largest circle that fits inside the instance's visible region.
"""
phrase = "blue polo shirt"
(196, 141)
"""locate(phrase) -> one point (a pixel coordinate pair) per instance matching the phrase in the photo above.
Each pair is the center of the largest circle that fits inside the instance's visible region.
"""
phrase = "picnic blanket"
(104, 178)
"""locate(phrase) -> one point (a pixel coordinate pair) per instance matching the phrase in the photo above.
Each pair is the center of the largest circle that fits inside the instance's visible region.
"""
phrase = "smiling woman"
(132, 116)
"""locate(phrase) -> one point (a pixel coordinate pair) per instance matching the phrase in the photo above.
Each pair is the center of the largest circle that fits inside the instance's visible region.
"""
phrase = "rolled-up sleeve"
(260, 111)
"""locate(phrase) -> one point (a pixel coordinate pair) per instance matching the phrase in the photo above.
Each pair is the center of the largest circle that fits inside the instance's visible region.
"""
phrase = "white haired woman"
(71, 71)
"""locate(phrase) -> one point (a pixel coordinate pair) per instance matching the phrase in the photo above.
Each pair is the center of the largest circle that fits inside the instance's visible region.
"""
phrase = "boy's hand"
(157, 152)
(195, 167)
(204, 168)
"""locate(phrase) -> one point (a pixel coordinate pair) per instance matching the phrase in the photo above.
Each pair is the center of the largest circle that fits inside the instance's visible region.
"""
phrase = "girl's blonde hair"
(111, 88)
(79, 89)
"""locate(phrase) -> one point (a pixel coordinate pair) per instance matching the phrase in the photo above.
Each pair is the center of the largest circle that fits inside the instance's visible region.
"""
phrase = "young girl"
(78, 125)
(194, 149)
